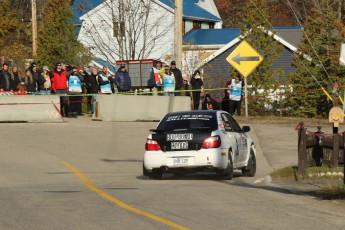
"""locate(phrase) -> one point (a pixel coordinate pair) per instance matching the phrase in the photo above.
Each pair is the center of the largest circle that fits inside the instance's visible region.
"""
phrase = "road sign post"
(245, 59)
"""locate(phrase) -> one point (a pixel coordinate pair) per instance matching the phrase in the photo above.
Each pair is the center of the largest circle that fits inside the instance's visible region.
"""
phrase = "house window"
(188, 26)
(196, 24)
(211, 25)
(118, 29)
(205, 25)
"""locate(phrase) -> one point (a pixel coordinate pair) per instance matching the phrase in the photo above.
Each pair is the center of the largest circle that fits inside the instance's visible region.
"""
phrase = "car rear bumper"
(202, 160)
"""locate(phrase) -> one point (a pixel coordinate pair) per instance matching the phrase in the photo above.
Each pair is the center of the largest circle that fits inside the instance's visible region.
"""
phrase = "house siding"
(216, 72)
(102, 24)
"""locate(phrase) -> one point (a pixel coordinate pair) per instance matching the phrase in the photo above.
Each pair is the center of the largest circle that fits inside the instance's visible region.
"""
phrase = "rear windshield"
(188, 121)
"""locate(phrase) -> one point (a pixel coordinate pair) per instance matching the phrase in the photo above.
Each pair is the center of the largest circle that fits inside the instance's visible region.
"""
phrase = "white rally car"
(201, 140)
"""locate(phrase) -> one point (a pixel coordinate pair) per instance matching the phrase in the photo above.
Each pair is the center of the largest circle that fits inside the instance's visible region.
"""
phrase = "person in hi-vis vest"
(104, 83)
(235, 95)
(168, 81)
(75, 79)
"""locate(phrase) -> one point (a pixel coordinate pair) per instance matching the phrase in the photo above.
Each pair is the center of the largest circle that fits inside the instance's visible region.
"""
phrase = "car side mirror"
(245, 129)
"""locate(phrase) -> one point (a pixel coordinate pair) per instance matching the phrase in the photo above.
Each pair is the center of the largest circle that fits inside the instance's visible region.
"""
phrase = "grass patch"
(287, 173)
(291, 172)
(323, 169)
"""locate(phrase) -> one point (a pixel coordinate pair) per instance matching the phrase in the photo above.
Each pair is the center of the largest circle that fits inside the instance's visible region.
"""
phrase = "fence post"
(302, 150)
(335, 154)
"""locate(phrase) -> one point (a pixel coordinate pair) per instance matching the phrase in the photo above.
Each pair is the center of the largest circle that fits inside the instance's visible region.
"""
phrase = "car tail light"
(212, 142)
(152, 145)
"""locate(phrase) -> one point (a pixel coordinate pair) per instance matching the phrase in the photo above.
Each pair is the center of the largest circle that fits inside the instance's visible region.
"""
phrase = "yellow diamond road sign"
(244, 58)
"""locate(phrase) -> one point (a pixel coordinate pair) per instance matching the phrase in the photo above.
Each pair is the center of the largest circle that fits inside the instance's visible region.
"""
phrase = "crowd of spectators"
(68, 81)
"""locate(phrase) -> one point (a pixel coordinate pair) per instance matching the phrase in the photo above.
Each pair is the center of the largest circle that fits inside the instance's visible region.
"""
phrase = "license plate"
(179, 145)
(180, 161)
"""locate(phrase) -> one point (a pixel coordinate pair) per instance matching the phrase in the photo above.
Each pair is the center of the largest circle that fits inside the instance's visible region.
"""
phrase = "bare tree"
(127, 29)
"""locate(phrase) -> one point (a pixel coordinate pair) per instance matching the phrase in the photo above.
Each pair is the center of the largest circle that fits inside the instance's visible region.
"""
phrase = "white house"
(140, 29)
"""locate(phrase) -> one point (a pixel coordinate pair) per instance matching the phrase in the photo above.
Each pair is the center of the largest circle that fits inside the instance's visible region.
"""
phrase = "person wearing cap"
(155, 80)
(168, 80)
(122, 79)
(59, 86)
(178, 77)
(44, 83)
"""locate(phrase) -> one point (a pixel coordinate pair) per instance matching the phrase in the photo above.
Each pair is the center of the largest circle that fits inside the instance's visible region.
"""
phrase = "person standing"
(155, 81)
(44, 83)
(185, 88)
(5, 78)
(336, 115)
(168, 81)
(30, 82)
(15, 79)
(59, 86)
(235, 95)
(106, 74)
(226, 101)
(196, 83)
(75, 79)
(178, 78)
(104, 83)
(91, 81)
(122, 79)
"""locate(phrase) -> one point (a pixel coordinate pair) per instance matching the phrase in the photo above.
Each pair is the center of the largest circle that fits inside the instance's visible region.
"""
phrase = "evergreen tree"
(319, 59)
(57, 38)
(264, 80)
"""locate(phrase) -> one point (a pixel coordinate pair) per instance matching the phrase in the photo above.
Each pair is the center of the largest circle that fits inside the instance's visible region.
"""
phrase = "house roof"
(81, 7)
(192, 10)
(292, 34)
(211, 36)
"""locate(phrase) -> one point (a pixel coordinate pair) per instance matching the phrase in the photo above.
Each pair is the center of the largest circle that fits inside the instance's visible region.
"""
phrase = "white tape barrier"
(30, 108)
(138, 108)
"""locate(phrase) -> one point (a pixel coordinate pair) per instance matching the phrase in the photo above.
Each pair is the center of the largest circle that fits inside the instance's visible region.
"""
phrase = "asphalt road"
(84, 174)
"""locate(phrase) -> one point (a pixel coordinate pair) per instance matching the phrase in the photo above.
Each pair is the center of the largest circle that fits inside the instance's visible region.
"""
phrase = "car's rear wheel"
(156, 174)
(228, 173)
(145, 172)
(250, 170)
(179, 174)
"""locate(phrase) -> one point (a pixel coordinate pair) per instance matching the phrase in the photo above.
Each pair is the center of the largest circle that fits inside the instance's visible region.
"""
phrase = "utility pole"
(178, 33)
(34, 27)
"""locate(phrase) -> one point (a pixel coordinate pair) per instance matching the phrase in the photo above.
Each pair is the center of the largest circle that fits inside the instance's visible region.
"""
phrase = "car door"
(232, 134)
(242, 141)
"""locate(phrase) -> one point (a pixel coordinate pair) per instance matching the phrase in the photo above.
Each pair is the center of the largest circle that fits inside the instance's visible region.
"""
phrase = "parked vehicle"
(202, 140)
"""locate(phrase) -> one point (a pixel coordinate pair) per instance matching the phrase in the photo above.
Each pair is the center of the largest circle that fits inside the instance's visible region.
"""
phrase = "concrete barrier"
(138, 107)
(30, 108)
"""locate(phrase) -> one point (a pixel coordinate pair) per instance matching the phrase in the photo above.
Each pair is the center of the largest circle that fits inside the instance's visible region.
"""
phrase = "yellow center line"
(119, 203)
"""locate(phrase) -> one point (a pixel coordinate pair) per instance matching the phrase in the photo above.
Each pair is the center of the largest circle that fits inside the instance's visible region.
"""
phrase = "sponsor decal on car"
(180, 137)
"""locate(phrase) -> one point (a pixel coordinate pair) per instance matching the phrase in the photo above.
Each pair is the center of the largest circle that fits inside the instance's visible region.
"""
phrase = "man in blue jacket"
(122, 79)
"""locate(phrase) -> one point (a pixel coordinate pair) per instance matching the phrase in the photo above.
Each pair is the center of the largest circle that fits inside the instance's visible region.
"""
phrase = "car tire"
(179, 174)
(250, 170)
(156, 174)
(228, 173)
(145, 172)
